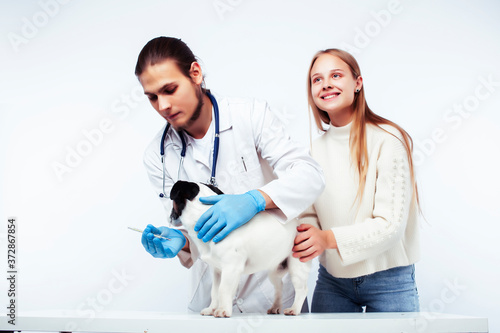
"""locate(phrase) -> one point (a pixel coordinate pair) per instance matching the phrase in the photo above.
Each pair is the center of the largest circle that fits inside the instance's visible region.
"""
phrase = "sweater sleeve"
(391, 207)
(188, 258)
(309, 216)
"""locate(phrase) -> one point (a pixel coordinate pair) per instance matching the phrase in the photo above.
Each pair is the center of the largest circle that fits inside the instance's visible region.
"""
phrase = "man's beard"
(197, 111)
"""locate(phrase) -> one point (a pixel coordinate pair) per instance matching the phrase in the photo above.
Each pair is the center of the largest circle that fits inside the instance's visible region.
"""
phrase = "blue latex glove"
(162, 248)
(229, 211)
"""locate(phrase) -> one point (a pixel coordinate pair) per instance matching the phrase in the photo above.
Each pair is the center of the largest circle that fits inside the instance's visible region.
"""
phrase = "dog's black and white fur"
(259, 245)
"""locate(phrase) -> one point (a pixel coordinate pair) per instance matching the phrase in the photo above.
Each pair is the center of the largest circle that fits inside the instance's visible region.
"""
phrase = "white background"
(67, 70)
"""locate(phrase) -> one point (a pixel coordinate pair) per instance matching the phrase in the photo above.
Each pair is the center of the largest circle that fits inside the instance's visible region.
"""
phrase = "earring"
(357, 90)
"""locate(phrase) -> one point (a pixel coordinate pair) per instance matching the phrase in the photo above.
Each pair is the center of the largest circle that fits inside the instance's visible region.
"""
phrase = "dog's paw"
(207, 311)
(222, 313)
(274, 310)
(291, 312)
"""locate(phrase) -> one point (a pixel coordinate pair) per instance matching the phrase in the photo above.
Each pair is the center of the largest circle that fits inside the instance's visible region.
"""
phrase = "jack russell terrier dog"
(262, 244)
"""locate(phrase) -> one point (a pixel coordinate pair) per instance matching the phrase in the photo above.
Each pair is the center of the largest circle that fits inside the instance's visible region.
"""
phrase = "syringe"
(141, 231)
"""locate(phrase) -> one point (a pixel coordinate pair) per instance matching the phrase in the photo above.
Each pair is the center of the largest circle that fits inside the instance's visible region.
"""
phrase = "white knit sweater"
(379, 233)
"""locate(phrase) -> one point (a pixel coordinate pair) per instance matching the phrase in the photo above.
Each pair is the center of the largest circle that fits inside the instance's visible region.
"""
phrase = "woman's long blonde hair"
(362, 115)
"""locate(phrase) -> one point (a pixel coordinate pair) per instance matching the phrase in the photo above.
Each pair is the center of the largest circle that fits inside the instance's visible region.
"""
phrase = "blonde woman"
(368, 236)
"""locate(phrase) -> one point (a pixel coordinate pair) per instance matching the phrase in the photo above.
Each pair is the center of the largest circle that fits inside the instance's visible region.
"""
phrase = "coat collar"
(225, 121)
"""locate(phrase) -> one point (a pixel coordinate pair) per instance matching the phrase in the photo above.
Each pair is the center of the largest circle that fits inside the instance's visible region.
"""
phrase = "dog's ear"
(180, 192)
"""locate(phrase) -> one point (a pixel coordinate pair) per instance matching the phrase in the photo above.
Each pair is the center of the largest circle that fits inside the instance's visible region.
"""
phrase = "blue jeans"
(392, 290)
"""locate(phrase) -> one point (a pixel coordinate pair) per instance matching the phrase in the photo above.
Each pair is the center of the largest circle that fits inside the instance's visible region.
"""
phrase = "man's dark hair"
(162, 48)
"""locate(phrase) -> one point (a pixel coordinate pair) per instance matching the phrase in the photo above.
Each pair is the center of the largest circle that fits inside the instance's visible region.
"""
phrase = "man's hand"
(229, 211)
(162, 248)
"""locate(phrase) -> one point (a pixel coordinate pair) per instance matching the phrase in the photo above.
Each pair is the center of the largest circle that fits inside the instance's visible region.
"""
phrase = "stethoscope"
(183, 151)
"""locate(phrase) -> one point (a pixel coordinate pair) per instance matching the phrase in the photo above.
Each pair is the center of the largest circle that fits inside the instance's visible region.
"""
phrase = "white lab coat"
(255, 153)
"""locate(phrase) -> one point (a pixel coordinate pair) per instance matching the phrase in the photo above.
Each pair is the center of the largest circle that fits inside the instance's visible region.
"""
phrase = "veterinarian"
(368, 241)
(236, 144)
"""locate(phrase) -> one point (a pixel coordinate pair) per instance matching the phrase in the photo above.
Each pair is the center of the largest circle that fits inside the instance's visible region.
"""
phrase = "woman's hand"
(311, 242)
